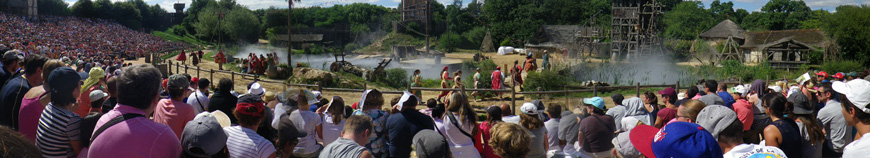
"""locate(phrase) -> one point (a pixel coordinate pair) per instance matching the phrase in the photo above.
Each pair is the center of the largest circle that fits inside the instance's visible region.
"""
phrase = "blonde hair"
(510, 140)
(459, 103)
(692, 108)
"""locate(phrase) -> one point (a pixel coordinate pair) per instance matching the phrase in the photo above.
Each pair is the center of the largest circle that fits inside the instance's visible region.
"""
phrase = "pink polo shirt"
(137, 137)
(174, 114)
(744, 113)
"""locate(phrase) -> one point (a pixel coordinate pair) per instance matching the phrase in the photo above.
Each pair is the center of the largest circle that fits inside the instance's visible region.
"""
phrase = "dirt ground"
(352, 97)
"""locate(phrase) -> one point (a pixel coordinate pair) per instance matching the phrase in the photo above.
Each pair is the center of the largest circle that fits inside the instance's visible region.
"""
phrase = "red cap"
(165, 81)
(498, 67)
(839, 75)
(642, 138)
(242, 108)
(822, 73)
(668, 91)
(194, 80)
(445, 67)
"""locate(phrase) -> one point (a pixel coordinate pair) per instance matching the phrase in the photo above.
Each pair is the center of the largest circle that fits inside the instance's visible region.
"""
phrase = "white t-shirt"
(511, 119)
(331, 131)
(243, 142)
(199, 101)
(552, 126)
(308, 122)
(858, 148)
(753, 151)
(460, 144)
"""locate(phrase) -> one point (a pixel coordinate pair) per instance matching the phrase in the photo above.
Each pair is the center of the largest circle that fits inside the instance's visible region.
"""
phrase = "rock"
(315, 75)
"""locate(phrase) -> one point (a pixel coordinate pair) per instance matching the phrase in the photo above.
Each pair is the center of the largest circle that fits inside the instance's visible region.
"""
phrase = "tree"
(785, 14)
(53, 7)
(687, 20)
(849, 28)
(84, 8)
(241, 24)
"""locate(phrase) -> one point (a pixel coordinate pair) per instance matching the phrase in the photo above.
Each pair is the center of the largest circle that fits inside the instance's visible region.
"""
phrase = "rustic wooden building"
(785, 48)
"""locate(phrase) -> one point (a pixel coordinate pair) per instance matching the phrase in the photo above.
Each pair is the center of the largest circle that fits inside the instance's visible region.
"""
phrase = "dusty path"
(352, 97)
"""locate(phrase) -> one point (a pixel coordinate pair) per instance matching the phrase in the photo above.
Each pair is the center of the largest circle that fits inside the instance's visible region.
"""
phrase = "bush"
(545, 81)
(842, 66)
(396, 78)
(736, 69)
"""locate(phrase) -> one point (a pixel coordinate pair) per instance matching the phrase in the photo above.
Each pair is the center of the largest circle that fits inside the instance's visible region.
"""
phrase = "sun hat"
(203, 136)
(595, 101)
(856, 91)
(678, 139)
(801, 103)
(256, 89)
(529, 108)
(716, 118)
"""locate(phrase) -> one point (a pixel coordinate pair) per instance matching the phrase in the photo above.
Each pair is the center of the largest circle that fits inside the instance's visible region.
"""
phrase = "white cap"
(739, 89)
(681, 96)
(529, 108)
(856, 91)
(317, 94)
(97, 95)
(775, 88)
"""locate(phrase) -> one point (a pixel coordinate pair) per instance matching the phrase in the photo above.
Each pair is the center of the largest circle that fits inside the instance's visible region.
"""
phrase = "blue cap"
(595, 101)
(684, 139)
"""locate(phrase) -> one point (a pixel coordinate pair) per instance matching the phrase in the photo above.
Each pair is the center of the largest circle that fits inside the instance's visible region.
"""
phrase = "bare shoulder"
(366, 154)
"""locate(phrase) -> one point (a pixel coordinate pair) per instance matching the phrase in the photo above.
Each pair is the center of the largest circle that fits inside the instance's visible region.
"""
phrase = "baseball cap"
(13, 55)
(178, 81)
(84, 75)
(256, 89)
(250, 102)
(822, 73)
(775, 88)
(63, 79)
(801, 103)
(739, 89)
(595, 101)
(203, 136)
(529, 108)
(97, 95)
(839, 75)
(430, 144)
(678, 139)
(852, 74)
(194, 80)
(716, 118)
(668, 91)
(856, 91)
(288, 129)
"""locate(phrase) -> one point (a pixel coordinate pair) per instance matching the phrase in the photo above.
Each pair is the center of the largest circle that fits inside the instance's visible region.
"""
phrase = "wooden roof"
(764, 39)
(723, 30)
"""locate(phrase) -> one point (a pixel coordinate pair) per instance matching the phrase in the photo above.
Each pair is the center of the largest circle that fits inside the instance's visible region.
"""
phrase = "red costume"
(181, 57)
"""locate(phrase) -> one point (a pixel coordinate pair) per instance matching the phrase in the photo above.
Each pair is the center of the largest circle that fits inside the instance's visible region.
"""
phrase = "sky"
(749, 5)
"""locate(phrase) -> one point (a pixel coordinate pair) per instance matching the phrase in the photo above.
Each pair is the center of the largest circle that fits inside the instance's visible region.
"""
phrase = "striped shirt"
(57, 128)
(244, 142)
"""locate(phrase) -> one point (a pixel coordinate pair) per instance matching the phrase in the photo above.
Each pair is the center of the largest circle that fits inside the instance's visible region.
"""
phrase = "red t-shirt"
(667, 114)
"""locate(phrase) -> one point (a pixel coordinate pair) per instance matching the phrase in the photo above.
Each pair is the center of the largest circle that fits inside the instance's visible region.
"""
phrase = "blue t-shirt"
(313, 108)
(401, 129)
(727, 98)
(10, 100)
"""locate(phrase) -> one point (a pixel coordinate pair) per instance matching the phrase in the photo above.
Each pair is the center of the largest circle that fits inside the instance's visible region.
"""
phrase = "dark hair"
(395, 100)
(671, 98)
(438, 110)
(431, 103)
(712, 85)
(33, 62)
(693, 90)
(225, 85)
(283, 130)
(617, 98)
(828, 86)
(248, 120)
(203, 83)
(138, 86)
(653, 99)
(849, 107)
(733, 133)
(814, 130)
(188, 77)
(555, 110)
(348, 111)
(97, 103)
(112, 86)
(374, 99)
(778, 104)
(176, 92)
(493, 115)
(15, 145)
(87, 127)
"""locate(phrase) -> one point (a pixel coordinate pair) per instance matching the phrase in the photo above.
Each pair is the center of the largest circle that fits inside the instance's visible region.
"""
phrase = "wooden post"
(319, 87)
(233, 76)
(256, 78)
(677, 87)
(197, 72)
(169, 68)
(514, 99)
(185, 69)
(211, 76)
(637, 88)
(767, 81)
(594, 90)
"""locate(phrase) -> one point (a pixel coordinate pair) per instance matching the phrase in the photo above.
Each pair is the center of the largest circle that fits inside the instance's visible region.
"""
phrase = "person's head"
(510, 140)
(225, 85)
(11, 60)
(203, 137)
(417, 72)
(97, 97)
(287, 136)
(738, 92)
(336, 109)
(203, 84)
(431, 103)
(721, 87)
(650, 98)
(826, 92)
(15, 145)
(669, 95)
(854, 96)
(249, 110)
(688, 110)
(431, 144)
(493, 114)
(505, 110)
(407, 102)
(358, 128)
(775, 105)
(374, 99)
(710, 86)
(112, 86)
(595, 105)
(178, 87)
(438, 110)
(33, 67)
(678, 139)
(64, 83)
(723, 124)
(529, 119)
(49, 66)
(617, 98)
(554, 111)
(194, 82)
(692, 92)
(459, 103)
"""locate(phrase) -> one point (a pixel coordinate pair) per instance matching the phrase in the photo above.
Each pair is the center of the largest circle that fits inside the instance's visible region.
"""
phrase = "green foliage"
(545, 81)
(842, 66)
(134, 14)
(53, 7)
(782, 15)
(172, 34)
(687, 20)
(237, 24)
(396, 78)
(474, 37)
(736, 69)
(849, 28)
(450, 41)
